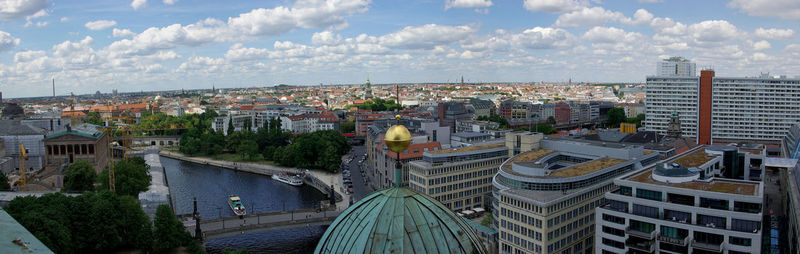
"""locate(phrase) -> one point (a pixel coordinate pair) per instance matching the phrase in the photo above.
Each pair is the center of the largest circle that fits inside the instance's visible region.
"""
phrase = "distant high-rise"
(676, 66)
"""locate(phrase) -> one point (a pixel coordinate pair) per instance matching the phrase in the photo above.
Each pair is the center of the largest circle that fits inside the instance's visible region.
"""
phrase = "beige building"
(82, 142)
(545, 195)
(460, 178)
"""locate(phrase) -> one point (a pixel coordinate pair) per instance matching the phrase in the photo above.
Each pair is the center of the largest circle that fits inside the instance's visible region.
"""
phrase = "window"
(674, 233)
(740, 241)
(625, 190)
(648, 194)
(745, 225)
(714, 203)
(614, 219)
(614, 231)
(612, 243)
(642, 226)
(646, 211)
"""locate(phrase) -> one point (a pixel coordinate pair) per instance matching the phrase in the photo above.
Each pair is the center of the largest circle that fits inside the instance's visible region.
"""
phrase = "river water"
(212, 185)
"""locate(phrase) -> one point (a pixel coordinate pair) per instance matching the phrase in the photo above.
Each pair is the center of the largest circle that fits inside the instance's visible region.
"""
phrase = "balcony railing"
(667, 239)
(646, 246)
(640, 234)
(707, 246)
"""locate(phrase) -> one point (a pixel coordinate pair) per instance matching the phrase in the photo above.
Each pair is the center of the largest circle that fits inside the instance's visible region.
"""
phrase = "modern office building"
(676, 66)
(545, 195)
(686, 204)
(714, 109)
(459, 178)
(790, 201)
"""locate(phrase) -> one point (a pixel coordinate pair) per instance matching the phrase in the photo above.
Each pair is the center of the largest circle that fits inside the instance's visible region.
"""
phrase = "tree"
(4, 182)
(137, 230)
(130, 177)
(79, 177)
(248, 149)
(637, 120)
(347, 127)
(168, 232)
(241, 251)
(268, 153)
(230, 126)
(615, 117)
(551, 120)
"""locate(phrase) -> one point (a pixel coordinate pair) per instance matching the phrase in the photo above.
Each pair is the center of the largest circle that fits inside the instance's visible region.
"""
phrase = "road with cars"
(353, 176)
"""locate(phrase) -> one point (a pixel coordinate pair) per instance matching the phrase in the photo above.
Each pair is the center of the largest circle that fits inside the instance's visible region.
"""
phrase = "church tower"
(674, 127)
(368, 90)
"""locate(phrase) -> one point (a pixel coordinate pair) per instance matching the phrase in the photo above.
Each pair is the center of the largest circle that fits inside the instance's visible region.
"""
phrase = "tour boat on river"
(236, 205)
(288, 179)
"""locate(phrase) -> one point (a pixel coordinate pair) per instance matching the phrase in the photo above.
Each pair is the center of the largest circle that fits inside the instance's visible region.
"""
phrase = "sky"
(151, 45)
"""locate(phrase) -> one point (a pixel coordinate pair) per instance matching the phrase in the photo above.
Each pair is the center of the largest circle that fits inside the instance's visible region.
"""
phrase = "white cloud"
(774, 33)
(7, 41)
(64, 19)
(650, 1)
(787, 9)
(759, 45)
(122, 33)
(601, 35)
(594, 16)
(467, 4)
(544, 38)
(304, 14)
(138, 4)
(425, 37)
(202, 64)
(100, 24)
(668, 26)
(11, 9)
(713, 31)
(640, 17)
(28, 55)
(170, 2)
(792, 49)
(238, 52)
(325, 38)
(554, 6)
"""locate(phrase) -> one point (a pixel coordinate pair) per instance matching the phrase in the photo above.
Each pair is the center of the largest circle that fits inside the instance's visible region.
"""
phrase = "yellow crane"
(23, 177)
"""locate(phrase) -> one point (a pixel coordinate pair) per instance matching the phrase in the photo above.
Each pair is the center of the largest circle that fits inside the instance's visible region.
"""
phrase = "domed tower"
(368, 90)
(399, 220)
(674, 127)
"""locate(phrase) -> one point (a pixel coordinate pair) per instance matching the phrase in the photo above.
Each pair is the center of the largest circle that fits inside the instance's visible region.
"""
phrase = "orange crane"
(23, 177)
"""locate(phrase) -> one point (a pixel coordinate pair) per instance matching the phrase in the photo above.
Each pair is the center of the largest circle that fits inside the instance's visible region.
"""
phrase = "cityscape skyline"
(158, 45)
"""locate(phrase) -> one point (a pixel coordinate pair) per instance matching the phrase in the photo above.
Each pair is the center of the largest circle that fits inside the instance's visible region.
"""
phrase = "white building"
(742, 108)
(676, 66)
(681, 206)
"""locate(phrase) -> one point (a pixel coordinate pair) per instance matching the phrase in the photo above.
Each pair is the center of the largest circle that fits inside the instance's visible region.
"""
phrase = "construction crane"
(23, 176)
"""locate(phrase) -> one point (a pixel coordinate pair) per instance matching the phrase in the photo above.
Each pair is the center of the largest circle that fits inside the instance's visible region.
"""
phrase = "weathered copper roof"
(399, 220)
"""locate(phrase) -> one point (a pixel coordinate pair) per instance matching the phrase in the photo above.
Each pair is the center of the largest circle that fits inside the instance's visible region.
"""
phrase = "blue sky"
(136, 45)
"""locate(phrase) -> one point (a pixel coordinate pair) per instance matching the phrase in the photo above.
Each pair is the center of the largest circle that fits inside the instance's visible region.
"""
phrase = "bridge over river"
(233, 225)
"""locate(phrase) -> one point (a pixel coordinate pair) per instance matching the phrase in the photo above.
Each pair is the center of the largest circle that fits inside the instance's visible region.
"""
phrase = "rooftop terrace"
(694, 159)
(715, 185)
(586, 168)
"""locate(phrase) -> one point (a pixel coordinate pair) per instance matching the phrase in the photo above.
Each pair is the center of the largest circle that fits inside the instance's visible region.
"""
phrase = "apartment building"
(545, 195)
(458, 178)
(475, 126)
(676, 66)
(760, 109)
(683, 205)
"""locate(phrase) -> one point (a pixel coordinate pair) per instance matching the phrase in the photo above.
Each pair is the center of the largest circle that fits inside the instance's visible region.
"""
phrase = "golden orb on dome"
(397, 138)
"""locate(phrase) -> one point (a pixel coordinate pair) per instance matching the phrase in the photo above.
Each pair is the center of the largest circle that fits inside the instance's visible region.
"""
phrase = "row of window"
(70, 149)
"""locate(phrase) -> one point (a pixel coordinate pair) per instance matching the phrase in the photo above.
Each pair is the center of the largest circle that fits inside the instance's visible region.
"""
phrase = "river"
(212, 185)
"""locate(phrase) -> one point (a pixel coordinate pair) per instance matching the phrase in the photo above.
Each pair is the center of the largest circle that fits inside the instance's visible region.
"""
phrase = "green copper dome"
(399, 220)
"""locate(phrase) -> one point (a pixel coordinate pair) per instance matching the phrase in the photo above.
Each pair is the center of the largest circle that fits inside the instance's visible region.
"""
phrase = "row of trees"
(378, 104)
(617, 116)
(98, 223)
(318, 150)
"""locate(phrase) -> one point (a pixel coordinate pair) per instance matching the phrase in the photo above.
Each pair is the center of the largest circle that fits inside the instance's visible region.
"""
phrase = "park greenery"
(102, 222)
(495, 118)
(318, 150)
(130, 177)
(378, 104)
(79, 177)
(617, 116)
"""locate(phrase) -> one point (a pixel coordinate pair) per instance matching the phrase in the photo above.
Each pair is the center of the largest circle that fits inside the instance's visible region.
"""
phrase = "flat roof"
(694, 159)
(714, 185)
(586, 168)
(780, 162)
(469, 134)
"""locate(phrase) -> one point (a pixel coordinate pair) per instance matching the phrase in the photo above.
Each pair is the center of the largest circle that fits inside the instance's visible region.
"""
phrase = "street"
(360, 188)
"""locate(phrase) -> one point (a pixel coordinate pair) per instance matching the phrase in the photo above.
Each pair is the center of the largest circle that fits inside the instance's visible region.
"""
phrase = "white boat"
(236, 205)
(287, 179)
